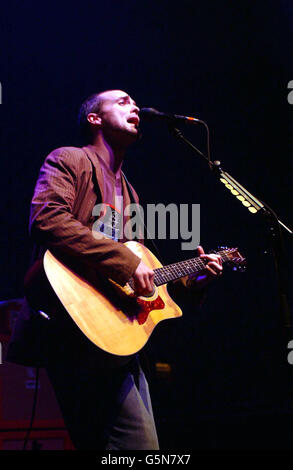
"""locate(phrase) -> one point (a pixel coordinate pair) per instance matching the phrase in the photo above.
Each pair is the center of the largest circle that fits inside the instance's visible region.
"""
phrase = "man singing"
(104, 399)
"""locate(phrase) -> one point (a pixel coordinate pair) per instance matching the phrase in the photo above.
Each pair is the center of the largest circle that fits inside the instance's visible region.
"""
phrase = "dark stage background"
(228, 63)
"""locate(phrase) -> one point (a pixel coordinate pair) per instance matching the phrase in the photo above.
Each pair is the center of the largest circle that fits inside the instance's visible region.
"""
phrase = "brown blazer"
(61, 213)
(69, 185)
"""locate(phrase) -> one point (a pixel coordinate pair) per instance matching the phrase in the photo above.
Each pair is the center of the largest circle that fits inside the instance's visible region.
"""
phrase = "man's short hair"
(91, 105)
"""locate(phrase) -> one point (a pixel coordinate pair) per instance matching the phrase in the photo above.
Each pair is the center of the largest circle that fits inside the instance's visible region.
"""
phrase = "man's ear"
(93, 118)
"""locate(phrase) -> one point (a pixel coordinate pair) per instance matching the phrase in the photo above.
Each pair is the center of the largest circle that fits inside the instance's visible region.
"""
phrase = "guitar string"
(182, 268)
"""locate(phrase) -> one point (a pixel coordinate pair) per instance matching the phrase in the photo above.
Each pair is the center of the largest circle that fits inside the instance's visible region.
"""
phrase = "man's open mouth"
(133, 120)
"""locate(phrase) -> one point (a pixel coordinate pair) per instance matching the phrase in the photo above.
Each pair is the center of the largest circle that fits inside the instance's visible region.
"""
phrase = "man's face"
(119, 114)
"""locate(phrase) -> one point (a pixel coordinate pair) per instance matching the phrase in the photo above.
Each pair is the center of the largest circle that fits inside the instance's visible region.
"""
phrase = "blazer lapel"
(91, 154)
(129, 195)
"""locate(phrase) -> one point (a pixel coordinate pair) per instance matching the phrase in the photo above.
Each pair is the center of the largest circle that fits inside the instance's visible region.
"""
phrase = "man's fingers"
(200, 250)
(215, 258)
(214, 268)
(143, 279)
(148, 282)
(140, 282)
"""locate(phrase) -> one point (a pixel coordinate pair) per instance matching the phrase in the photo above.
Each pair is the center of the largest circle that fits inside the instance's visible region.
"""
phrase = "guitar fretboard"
(171, 272)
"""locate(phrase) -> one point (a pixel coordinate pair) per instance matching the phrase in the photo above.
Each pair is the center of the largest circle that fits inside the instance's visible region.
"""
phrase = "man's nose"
(135, 108)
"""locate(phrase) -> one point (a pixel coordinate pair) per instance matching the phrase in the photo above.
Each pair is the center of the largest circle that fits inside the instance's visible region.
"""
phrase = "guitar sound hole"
(149, 295)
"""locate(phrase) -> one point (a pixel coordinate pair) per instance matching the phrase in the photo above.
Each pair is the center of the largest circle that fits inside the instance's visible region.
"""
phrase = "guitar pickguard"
(133, 307)
(147, 306)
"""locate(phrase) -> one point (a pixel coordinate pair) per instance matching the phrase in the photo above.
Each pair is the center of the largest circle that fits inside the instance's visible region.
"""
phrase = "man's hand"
(214, 269)
(143, 279)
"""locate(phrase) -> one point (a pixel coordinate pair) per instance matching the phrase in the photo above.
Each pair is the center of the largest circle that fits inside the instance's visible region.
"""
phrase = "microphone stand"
(254, 205)
(274, 227)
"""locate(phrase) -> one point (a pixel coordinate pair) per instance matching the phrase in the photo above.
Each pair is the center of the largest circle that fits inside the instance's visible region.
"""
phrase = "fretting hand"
(214, 269)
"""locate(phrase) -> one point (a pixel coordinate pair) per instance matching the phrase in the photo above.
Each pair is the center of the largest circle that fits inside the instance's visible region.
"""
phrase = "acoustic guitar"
(113, 317)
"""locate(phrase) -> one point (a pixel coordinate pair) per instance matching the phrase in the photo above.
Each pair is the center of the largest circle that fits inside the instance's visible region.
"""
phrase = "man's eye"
(122, 102)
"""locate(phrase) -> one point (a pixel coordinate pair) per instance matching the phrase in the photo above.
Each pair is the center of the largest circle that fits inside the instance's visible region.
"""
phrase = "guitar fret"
(175, 271)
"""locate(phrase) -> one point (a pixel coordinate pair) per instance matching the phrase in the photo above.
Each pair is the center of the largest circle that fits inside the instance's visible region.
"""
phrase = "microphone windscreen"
(149, 113)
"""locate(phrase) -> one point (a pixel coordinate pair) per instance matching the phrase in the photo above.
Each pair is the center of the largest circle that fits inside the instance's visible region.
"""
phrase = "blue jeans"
(133, 427)
(105, 409)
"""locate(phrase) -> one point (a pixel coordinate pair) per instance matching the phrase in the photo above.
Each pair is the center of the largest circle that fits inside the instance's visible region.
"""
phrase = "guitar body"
(111, 316)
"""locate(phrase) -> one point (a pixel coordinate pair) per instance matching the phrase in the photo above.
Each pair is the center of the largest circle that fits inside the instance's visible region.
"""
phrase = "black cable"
(33, 409)
(177, 133)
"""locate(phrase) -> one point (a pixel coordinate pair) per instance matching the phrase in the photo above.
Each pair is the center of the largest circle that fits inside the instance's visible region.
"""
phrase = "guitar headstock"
(232, 257)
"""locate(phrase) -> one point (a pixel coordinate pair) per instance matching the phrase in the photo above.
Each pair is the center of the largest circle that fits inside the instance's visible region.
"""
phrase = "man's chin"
(125, 137)
(135, 134)
(139, 133)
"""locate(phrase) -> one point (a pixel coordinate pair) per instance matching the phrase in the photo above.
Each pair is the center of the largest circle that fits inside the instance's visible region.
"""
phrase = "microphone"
(151, 114)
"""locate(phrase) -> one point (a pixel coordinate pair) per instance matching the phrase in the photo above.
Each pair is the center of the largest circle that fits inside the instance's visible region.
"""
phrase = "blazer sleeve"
(53, 224)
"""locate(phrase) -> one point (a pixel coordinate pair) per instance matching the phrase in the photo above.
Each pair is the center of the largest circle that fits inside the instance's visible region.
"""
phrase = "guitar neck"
(171, 272)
